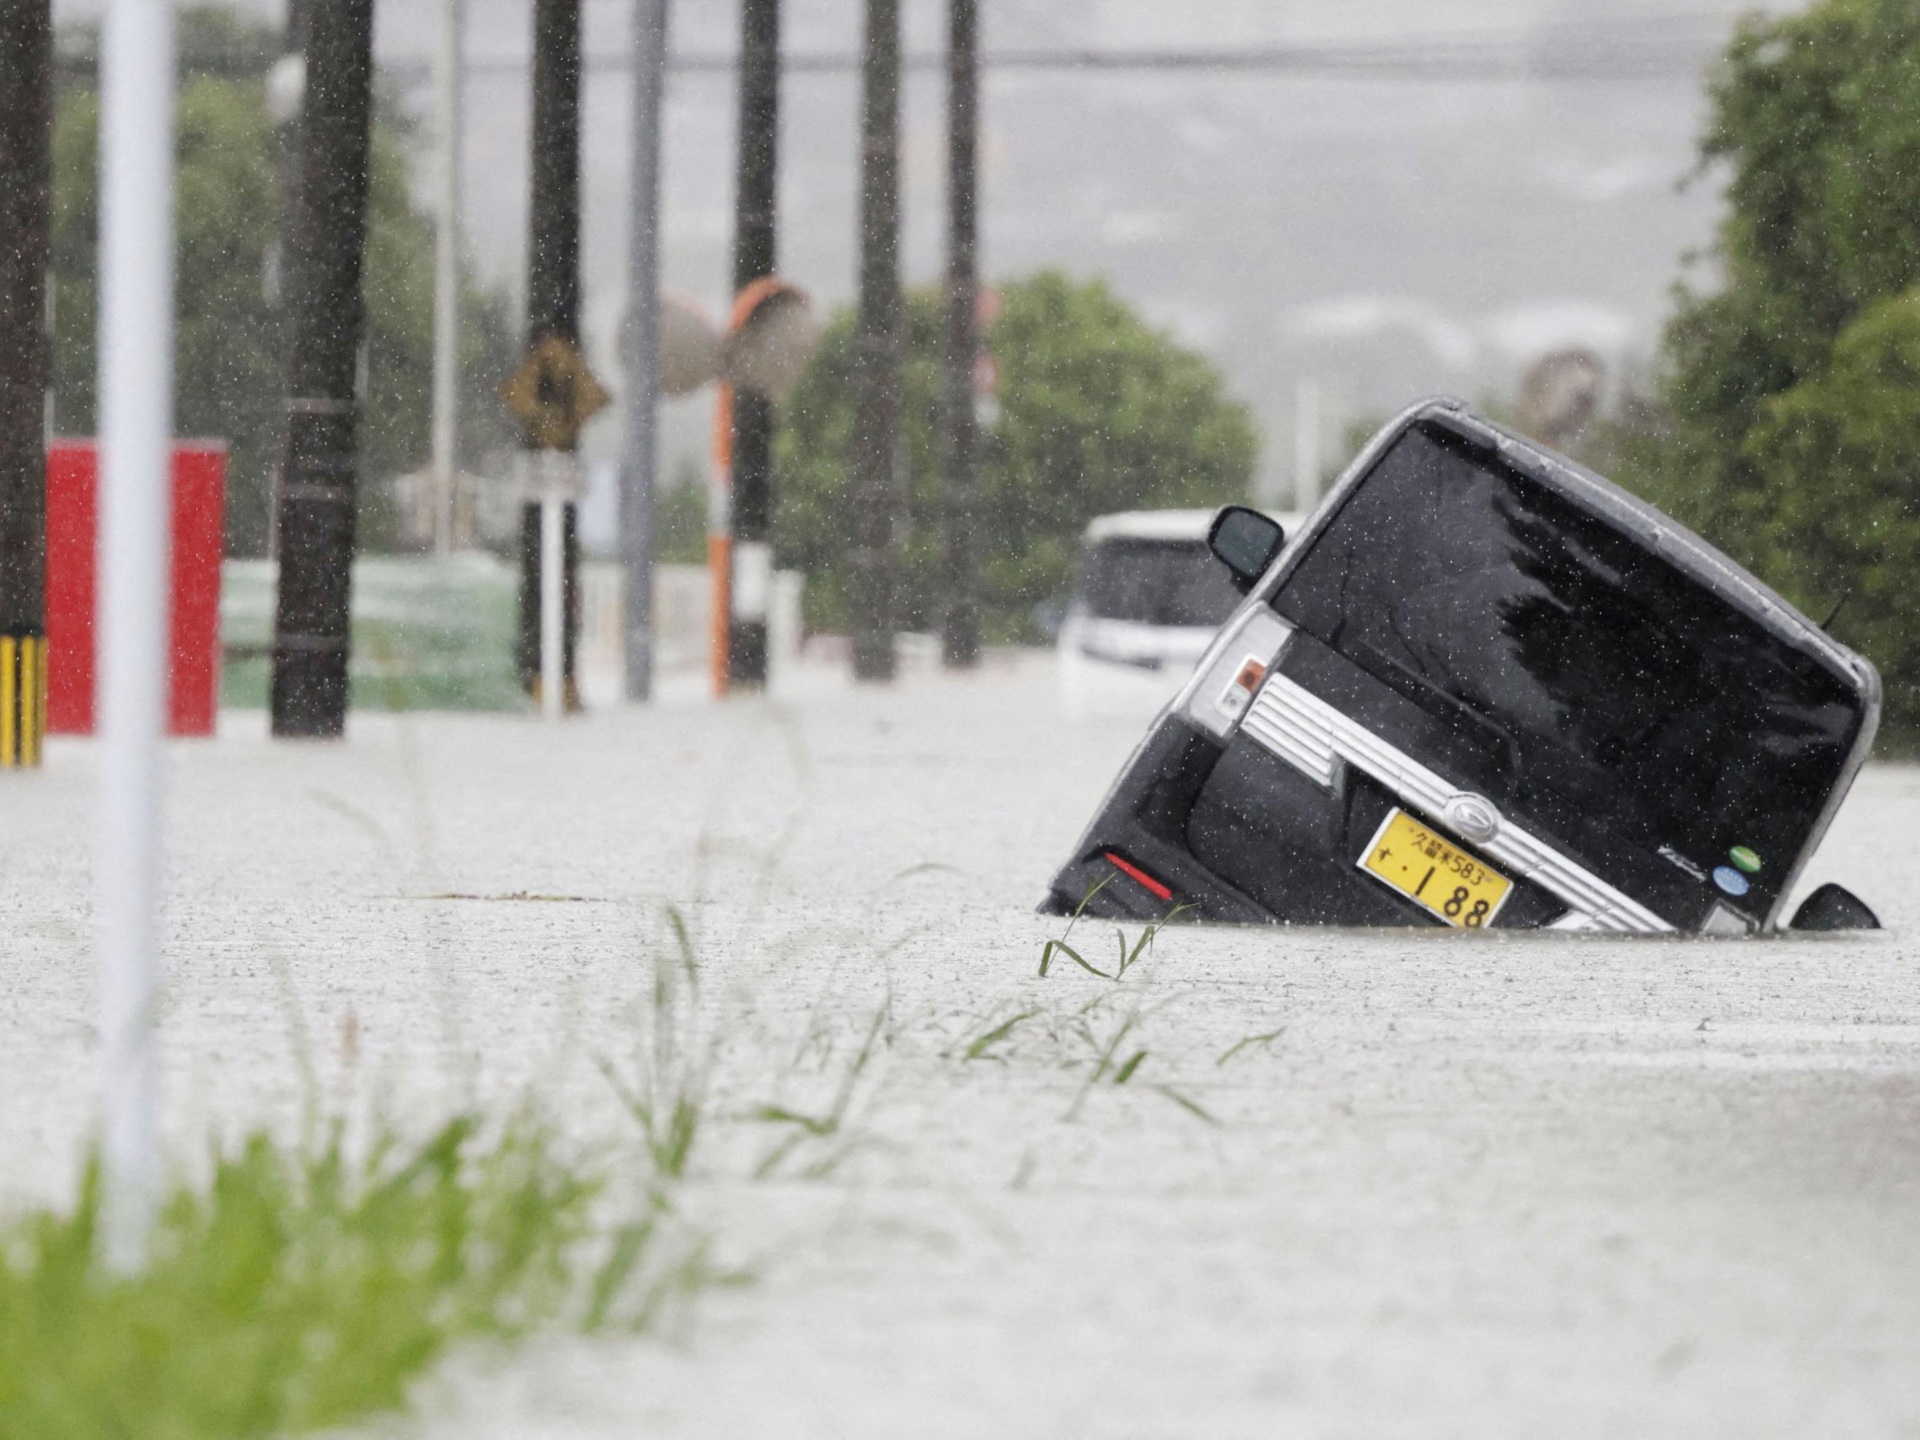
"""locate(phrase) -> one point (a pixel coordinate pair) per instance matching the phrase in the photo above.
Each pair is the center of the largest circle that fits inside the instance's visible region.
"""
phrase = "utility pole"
(136, 447)
(960, 638)
(446, 274)
(755, 251)
(874, 463)
(641, 460)
(549, 529)
(286, 92)
(311, 640)
(26, 177)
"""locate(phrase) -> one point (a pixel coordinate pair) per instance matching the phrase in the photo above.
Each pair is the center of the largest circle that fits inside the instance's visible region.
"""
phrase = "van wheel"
(1833, 907)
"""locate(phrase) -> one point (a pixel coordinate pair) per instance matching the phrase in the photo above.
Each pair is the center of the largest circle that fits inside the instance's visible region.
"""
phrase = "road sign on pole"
(553, 394)
(555, 382)
(552, 481)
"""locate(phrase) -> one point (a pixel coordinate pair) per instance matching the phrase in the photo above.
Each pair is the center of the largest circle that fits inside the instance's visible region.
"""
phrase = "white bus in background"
(1148, 599)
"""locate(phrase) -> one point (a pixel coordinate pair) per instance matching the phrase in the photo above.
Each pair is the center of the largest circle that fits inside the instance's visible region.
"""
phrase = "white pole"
(643, 345)
(446, 274)
(552, 598)
(136, 438)
(1306, 443)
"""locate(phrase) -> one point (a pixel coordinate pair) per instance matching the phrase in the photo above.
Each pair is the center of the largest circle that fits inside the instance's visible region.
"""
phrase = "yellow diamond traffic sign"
(553, 394)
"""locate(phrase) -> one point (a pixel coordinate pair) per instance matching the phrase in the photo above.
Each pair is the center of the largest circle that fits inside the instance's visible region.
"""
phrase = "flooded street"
(1355, 1183)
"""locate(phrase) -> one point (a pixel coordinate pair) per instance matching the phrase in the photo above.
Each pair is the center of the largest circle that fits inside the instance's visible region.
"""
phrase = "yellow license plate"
(1416, 861)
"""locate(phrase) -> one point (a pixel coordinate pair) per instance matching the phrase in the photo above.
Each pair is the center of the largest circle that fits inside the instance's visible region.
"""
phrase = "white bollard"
(553, 562)
(136, 443)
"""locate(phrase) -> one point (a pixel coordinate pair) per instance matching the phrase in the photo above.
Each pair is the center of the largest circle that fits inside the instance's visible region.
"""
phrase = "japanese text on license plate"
(1435, 873)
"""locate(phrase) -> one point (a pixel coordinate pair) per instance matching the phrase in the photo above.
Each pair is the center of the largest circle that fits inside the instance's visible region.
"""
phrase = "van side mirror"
(1833, 907)
(1245, 541)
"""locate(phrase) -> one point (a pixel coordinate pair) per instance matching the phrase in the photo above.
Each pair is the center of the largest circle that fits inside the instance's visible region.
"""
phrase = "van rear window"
(1156, 582)
(1622, 693)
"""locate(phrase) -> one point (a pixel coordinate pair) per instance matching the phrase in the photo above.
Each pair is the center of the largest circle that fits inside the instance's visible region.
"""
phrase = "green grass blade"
(1060, 947)
(816, 1125)
(303, 1287)
(1249, 1040)
(612, 1278)
(685, 943)
(1102, 1066)
(1191, 1106)
(1046, 953)
(999, 1032)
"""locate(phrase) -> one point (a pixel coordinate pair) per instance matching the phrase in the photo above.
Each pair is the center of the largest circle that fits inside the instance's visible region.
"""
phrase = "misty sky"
(1391, 233)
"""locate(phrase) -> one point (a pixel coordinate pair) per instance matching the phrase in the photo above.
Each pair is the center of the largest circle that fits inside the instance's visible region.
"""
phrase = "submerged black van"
(1484, 687)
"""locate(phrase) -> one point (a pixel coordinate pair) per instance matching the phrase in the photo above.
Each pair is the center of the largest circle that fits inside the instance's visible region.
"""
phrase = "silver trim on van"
(1314, 738)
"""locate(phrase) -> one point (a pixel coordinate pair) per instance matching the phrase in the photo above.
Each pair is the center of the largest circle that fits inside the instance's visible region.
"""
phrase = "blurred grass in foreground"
(302, 1288)
(429, 632)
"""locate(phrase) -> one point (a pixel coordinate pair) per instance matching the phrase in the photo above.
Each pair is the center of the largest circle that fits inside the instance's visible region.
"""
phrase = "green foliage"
(804, 1128)
(1787, 435)
(1098, 412)
(1842, 456)
(298, 1290)
(228, 370)
(667, 1096)
(226, 381)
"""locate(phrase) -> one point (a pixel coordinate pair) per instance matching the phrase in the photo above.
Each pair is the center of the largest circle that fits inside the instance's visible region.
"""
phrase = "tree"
(1839, 456)
(1787, 430)
(1098, 412)
(229, 373)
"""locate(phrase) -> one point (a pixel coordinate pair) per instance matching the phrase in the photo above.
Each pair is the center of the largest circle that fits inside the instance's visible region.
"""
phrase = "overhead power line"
(1457, 63)
(1624, 49)
(1612, 48)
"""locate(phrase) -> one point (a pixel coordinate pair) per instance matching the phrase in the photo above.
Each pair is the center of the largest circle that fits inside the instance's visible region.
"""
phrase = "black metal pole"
(960, 639)
(311, 638)
(553, 298)
(26, 173)
(755, 253)
(874, 463)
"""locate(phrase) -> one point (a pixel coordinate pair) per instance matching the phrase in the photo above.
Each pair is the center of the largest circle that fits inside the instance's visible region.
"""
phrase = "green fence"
(429, 633)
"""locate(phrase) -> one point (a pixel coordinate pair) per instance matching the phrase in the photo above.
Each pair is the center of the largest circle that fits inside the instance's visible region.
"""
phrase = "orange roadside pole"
(720, 536)
(764, 352)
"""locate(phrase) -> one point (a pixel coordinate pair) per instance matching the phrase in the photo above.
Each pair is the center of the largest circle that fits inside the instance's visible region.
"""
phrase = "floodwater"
(1385, 1184)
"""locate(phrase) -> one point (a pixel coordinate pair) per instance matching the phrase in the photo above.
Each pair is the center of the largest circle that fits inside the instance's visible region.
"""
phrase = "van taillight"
(1133, 872)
